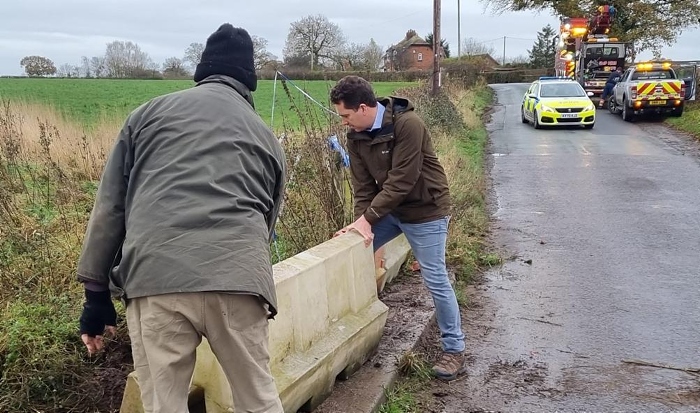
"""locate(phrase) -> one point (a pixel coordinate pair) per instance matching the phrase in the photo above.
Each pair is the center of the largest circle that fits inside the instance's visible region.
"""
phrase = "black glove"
(98, 312)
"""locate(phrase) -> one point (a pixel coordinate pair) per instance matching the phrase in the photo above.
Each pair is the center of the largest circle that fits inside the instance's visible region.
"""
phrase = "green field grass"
(89, 101)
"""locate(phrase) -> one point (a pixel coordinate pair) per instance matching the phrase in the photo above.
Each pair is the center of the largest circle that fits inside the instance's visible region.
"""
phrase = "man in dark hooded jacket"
(610, 83)
(180, 230)
(400, 187)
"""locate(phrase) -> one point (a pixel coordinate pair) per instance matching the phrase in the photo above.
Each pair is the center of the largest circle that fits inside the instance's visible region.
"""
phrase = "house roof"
(411, 39)
(414, 40)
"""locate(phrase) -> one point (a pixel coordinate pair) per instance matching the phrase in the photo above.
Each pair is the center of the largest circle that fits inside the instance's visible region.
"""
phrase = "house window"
(420, 57)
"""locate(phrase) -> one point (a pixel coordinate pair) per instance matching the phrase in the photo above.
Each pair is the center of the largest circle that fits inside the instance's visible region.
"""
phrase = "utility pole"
(504, 50)
(436, 47)
(459, 31)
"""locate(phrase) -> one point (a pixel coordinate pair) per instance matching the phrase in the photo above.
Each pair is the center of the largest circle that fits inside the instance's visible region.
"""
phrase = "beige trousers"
(165, 331)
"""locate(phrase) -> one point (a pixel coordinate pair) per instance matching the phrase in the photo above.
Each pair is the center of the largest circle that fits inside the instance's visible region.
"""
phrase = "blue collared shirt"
(378, 119)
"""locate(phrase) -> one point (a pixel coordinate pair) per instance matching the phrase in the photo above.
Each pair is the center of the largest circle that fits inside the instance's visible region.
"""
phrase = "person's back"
(181, 227)
(200, 195)
(614, 77)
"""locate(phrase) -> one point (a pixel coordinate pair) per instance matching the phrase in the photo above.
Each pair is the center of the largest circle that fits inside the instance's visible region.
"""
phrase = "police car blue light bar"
(555, 78)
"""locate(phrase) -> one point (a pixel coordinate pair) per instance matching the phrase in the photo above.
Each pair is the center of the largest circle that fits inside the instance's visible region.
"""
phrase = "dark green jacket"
(395, 169)
(188, 198)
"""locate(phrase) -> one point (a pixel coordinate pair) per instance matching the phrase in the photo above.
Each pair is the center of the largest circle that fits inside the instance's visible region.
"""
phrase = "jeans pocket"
(158, 312)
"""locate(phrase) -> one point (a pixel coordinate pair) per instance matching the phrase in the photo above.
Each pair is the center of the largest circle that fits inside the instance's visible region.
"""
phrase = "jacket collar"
(231, 82)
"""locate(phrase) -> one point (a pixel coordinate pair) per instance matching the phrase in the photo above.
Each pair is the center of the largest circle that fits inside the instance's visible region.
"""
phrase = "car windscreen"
(652, 74)
(562, 90)
(601, 75)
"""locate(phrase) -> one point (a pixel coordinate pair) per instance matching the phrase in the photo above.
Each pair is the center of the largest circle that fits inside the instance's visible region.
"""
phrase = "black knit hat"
(229, 51)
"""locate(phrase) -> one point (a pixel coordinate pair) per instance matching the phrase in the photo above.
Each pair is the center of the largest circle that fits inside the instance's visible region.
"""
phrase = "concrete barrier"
(330, 321)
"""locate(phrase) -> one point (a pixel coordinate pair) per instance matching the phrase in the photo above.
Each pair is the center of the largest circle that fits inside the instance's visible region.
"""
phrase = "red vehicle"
(586, 53)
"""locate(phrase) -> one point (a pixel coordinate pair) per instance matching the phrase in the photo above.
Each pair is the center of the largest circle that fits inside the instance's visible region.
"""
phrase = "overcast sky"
(65, 30)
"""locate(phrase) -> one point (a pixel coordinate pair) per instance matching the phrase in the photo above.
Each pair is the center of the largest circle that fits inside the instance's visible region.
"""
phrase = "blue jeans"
(427, 241)
(607, 90)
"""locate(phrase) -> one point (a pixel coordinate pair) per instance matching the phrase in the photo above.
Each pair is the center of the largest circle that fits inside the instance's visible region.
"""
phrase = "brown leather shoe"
(450, 366)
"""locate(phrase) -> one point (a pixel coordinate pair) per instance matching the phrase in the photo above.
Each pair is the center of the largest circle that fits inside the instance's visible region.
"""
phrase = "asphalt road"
(610, 219)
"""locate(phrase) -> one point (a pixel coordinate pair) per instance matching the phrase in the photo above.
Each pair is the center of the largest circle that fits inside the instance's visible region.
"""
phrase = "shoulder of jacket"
(400, 119)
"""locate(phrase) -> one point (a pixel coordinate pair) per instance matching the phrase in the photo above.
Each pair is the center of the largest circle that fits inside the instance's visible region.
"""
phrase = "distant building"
(411, 53)
(485, 60)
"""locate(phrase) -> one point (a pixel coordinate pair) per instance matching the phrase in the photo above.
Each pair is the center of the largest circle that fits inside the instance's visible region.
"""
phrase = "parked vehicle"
(650, 87)
(557, 101)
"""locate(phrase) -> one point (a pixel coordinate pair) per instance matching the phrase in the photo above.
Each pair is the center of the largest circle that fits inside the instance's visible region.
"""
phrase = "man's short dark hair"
(353, 91)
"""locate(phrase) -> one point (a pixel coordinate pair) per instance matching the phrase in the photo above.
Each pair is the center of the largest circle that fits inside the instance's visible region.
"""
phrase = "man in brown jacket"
(400, 187)
(181, 228)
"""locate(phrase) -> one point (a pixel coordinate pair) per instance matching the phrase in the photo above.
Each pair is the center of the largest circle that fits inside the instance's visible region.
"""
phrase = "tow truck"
(587, 53)
(648, 87)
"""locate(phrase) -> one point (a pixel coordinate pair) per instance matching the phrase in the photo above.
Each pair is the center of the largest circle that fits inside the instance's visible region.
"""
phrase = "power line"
(488, 41)
(402, 17)
(498, 39)
(521, 38)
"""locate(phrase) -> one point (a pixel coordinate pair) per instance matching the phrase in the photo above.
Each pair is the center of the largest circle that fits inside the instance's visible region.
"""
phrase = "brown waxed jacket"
(395, 169)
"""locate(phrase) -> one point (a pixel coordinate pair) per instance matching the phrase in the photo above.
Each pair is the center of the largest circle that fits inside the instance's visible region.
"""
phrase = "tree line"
(313, 43)
(648, 24)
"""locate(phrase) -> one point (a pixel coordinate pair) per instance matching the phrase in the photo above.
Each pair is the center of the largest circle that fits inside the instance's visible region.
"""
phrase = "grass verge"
(690, 121)
(456, 122)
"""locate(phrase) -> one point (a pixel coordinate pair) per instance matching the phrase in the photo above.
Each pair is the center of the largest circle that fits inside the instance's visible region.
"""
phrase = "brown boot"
(449, 366)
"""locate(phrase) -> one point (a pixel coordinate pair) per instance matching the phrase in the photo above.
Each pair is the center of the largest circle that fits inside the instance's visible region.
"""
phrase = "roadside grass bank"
(690, 121)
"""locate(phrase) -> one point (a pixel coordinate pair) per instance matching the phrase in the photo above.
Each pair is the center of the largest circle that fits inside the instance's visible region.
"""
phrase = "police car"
(557, 101)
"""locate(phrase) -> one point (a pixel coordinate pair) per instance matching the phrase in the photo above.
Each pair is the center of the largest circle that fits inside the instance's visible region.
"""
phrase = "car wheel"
(522, 116)
(612, 106)
(627, 114)
(678, 113)
(536, 120)
(589, 126)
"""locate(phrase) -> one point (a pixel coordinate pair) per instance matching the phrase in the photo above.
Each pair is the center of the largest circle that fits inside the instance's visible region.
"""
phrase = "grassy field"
(91, 101)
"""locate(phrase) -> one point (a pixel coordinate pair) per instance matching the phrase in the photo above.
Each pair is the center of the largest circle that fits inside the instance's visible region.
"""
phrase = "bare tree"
(126, 59)
(315, 36)
(518, 61)
(193, 54)
(97, 66)
(85, 66)
(296, 61)
(359, 56)
(348, 57)
(174, 68)
(260, 53)
(152, 70)
(38, 66)
(372, 56)
(473, 47)
(68, 70)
